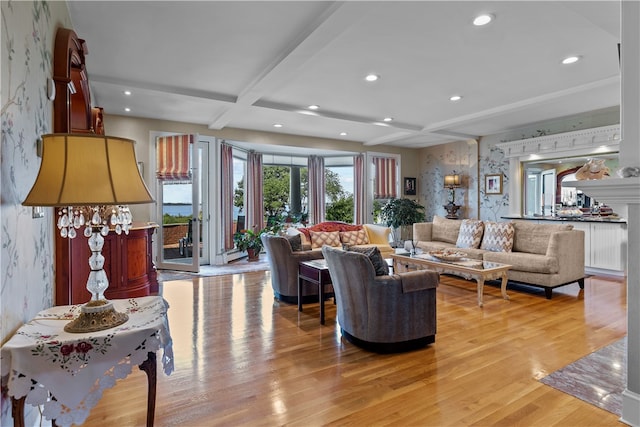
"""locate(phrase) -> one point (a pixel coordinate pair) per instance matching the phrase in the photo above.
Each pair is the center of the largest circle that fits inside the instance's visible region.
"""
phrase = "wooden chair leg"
(149, 366)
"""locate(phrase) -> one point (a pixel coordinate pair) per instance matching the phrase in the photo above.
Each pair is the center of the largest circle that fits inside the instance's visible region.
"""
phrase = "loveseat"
(338, 234)
(542, 255)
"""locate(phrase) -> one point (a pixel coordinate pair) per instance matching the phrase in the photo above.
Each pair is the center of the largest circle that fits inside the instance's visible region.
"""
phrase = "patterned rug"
(236, 267)
(598, 379)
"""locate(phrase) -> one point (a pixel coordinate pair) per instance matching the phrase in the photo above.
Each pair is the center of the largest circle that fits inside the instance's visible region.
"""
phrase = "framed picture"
(493, 184)
(410, 186)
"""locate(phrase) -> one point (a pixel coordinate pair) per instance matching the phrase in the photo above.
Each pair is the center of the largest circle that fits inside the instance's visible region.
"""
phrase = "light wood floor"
(242, 358)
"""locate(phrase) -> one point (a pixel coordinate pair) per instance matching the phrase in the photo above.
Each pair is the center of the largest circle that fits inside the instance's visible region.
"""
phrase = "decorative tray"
(448, 255)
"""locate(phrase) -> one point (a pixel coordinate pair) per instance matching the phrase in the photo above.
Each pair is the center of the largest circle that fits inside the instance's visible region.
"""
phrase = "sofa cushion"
(528, 262)
(498, 236)
(379, 264)
(534, 238)
(470, 235)
(377, 234)
(445, 230)
(295, 241)
(324, 238)
(358, 237)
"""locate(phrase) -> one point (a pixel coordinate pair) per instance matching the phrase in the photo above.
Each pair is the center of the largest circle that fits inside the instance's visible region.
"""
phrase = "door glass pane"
(177, 212)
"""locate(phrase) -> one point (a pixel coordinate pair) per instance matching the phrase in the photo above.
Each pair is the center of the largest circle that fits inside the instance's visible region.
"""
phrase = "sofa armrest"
(422, 231)
(568, 248)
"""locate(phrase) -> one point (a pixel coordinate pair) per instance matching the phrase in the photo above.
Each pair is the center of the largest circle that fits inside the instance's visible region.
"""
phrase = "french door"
(183, 213)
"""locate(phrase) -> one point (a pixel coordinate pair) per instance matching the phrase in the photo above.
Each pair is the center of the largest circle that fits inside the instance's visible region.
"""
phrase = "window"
(339, 189)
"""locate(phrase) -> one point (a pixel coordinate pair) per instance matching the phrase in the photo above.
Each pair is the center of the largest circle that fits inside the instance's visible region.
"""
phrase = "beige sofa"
(542, 255)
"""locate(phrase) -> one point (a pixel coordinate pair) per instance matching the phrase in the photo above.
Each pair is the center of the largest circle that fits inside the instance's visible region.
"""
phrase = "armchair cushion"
(295, 241)
(379, 264)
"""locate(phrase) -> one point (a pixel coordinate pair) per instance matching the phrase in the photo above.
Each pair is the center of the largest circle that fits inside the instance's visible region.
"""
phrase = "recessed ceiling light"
(127, 109)
(343, 134)
(570, 60)
(127, 92)
(371, 77)
(277, 125)
(455, 98)
(483, 19)
(313, 107)
(387, 119)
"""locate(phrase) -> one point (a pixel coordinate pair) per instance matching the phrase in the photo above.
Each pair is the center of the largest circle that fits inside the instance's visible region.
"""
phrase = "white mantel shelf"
(611, 190)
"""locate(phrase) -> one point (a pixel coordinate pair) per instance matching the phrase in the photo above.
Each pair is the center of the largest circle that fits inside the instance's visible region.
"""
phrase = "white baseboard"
(630, 408)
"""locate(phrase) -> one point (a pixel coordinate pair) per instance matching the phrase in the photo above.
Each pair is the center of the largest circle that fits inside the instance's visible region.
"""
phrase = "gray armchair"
(284, 269)
(383, 314)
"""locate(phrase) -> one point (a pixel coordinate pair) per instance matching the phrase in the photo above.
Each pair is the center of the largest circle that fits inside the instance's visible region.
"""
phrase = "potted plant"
(249, 241)
(400, 213)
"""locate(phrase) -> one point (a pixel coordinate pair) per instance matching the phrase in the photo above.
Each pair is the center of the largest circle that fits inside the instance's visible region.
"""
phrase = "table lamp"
(452, 182)
(92, 178)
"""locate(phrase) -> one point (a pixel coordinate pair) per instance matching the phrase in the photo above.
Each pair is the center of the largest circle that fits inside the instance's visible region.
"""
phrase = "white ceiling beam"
(337, 18)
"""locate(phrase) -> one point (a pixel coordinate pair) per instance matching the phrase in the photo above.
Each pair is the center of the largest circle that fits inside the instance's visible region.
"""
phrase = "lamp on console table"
(452, 182)
(91, 178)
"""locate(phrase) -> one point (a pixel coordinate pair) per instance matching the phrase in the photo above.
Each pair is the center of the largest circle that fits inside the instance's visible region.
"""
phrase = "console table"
(68, 372)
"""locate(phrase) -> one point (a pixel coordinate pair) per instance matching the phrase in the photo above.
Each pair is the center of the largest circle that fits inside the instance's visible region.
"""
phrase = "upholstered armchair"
(382, 313)
(284, 269)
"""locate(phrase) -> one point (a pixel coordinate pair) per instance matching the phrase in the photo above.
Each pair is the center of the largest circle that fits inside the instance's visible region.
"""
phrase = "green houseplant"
(400, 213)
(249, 241)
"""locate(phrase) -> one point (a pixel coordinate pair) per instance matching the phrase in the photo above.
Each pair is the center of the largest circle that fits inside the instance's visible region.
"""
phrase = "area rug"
(236, 267)
(598, 379)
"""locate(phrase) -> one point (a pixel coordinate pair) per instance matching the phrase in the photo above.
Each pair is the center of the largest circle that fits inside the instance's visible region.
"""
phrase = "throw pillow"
(379, 264)
(498, 236)
(354, 237)
(324, 238)
(295, 241)
(470, 235)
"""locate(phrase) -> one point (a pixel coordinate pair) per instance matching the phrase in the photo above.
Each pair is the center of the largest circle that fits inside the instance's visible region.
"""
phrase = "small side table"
(68, 372)
(314, 271)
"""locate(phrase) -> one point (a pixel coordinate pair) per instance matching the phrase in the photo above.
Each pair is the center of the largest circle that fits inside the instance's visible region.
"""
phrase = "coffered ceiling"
(252, 65)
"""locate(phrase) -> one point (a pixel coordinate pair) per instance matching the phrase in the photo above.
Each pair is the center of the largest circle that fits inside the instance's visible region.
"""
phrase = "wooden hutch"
(128, 258)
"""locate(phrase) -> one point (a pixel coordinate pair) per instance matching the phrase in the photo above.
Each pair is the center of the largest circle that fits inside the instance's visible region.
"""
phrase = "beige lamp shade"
(87, 169)
(451, 181)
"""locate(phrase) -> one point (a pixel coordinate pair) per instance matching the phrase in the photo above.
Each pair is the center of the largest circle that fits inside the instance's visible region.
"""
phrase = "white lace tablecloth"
(67, 372)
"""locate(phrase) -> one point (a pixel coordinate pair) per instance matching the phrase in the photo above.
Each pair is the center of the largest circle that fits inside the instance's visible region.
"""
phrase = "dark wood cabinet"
(128, 263)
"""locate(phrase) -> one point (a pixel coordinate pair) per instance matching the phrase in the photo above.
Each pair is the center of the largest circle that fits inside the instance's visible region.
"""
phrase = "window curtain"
(226, 195)
(386, 178)
(316, 189)
(255, 205)
(358, 189)
(172, 157)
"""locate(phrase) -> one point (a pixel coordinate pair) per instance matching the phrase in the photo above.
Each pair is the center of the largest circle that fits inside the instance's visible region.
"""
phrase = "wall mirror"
(542, 181)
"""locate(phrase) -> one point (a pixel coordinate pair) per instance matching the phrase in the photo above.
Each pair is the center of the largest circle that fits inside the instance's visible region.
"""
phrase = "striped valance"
(172, 157)
(386, 178)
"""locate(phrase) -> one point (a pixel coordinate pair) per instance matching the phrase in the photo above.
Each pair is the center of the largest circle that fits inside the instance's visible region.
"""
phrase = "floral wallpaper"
(441, 160)
(27, 276)
(492, 162)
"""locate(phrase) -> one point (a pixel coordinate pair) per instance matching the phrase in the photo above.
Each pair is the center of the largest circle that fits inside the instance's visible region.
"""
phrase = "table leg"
(17, 410)
(299, 293)
(480, 281)
(321, 284)
(503, 286)
(149, 366)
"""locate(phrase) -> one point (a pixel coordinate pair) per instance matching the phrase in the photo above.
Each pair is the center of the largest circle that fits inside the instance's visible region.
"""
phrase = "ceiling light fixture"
(343, 134)
(127, 109)
(387, 119)
(483, 19)
(127, 92)
(371, 77)
(313, 107)
(570, 60)
(277, 125)
(455, 98)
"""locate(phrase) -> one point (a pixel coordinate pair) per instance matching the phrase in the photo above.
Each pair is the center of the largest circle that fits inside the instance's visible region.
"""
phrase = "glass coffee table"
(468, 268)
